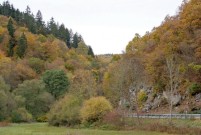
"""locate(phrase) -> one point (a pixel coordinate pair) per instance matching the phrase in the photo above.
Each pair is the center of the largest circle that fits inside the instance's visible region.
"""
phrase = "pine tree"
(90, 51)
(27, 15)
(68, 38)
(29, 20)
(11, 45)
(62, 32)
(6, 8)
(12, 41)
(10, 28)
(75, 40)
(22, 46)
(40, 23)
(28, 11)
(18, 16)
(52, 27)
(32, 24)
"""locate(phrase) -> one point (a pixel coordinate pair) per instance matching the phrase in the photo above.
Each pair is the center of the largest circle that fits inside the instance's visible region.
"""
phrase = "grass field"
(44, 129)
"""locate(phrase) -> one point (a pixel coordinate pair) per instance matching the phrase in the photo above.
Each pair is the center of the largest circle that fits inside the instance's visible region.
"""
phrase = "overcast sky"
(106, 25)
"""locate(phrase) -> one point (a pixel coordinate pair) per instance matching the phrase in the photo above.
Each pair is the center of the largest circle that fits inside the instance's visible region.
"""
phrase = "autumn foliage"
(94, 109)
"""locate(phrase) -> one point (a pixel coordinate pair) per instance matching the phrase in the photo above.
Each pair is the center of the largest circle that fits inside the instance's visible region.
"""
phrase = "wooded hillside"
(48, 73)
(161, 65)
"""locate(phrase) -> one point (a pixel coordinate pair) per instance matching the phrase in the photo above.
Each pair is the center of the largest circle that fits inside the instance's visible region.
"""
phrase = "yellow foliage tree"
(94, 109)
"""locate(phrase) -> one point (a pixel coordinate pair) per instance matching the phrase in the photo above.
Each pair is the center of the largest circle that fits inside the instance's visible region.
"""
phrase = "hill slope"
(163, 64)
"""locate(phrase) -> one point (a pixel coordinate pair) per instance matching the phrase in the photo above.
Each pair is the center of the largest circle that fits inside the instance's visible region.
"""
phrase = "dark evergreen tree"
(28, 10)
(10, 28)
(90, 51)
(62, 32)
(80, 38)
(12, 41)
(27, 15)
(75, 40)
(68, 38)
(0, 9)
(64, 35)
(40, 23)
(29, 20)
(52, 27)
(6, 8)
(39, 18)
(18, 16)
(32, 25)
(36, 25)
(11, 45)
(22, 46)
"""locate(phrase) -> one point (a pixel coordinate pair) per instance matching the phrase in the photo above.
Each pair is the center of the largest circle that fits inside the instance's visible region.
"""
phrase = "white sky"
(106, 25)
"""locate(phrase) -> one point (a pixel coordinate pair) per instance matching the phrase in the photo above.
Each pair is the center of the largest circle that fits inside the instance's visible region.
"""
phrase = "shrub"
(4, 124)
(69, 67)
(5, 100)
(42, 118)
(36, 64)
(114, 119)
(65, 112)
(37, 100)
(194, 88)
(142, 96)
(3, 107)
(21, 115)
(94, 109)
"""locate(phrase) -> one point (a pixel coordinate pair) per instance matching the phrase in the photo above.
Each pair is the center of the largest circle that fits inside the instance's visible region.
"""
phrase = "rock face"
(156, 103)
(146, 108)
(198, 97)
(176, 99)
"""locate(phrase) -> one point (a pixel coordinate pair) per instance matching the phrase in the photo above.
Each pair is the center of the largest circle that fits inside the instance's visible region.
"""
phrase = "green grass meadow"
(44, 129)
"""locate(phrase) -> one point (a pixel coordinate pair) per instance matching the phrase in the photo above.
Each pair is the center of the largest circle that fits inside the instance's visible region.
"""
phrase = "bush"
(42, 118)
(142, 96)
(36, 64)
(3, 105)
(21, 115)
(94, 109)
(194, 88)
(69, 67)
(37, 100)
(114, 119)
(65, 112)
(6, 100)
(4, 124)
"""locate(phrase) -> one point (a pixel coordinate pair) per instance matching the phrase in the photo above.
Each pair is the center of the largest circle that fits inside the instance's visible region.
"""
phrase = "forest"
(49, 74)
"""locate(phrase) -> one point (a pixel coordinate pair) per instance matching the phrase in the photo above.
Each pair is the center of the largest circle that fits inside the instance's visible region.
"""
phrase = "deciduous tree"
(56, 82)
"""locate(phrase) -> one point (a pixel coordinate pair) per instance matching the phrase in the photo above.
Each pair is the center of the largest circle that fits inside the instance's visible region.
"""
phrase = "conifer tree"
(52, 27)
(40, 23)
(22, 46)
(62, 32)
(11, 45)
(10, 28)
(90, 51)
(75, 40)
(12, 41)
(68, 38)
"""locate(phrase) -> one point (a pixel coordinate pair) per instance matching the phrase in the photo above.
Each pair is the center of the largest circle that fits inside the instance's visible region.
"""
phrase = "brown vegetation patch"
(170, 129)
(4, 124)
